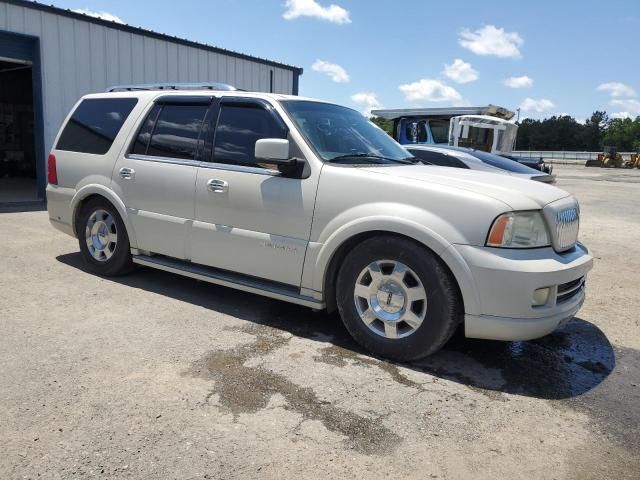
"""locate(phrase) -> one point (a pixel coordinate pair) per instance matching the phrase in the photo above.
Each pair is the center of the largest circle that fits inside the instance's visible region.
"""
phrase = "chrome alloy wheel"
(101, 235)
(390, 299)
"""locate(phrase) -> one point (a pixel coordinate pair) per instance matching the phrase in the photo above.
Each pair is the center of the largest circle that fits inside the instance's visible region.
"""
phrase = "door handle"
(127, 173)
(218, 185)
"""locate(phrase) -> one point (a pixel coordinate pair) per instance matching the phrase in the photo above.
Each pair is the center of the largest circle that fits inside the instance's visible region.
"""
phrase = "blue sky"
(547, 57)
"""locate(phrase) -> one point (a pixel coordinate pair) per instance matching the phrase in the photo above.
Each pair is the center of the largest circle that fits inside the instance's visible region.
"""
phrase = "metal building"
(49, 57)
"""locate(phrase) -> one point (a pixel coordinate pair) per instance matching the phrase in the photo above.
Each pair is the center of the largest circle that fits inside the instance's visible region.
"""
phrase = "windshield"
(342, 134)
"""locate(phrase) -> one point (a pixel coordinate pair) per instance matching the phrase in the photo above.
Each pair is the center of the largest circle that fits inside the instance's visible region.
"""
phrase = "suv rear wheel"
(397, 299)
(103, 239)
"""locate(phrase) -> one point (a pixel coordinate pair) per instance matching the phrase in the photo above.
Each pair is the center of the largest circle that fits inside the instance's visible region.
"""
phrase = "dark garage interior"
(17, 141)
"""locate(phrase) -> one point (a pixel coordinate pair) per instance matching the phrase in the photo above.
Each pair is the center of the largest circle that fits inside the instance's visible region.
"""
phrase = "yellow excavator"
(610, 158)
(633, 162)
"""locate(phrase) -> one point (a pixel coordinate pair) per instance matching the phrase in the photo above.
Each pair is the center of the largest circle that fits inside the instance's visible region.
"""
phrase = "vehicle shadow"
(565, 364)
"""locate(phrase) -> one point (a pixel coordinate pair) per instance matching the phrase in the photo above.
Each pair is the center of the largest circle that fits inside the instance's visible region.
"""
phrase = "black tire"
(444, 309)
(120, 261)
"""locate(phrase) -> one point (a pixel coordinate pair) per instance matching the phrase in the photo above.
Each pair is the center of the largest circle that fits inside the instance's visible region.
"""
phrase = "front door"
(156, 177)
(249, 217)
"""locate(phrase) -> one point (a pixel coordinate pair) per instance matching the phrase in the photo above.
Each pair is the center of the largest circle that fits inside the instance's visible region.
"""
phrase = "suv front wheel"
(397, 299)
(103, 239)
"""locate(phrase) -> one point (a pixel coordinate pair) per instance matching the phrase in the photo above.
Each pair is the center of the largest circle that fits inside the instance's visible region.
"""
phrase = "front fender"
(96, 189)
(320, 254)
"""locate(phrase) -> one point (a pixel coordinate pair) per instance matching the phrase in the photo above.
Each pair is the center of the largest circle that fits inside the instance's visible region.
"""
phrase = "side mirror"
(275, 151)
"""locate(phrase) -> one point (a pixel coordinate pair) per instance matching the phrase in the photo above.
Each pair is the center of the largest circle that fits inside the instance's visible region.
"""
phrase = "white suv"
(308, 202)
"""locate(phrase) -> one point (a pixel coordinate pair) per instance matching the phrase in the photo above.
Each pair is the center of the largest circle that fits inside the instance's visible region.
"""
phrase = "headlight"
(519, 230)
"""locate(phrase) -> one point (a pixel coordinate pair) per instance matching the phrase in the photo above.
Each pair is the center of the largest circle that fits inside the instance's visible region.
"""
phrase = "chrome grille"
(567, 223)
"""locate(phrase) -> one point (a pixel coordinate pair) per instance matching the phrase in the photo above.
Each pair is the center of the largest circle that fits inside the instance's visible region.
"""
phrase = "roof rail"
(172, 86)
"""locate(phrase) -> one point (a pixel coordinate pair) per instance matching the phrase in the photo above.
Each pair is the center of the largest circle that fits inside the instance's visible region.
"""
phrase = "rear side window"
(94, 125)
(239, 127)
(176, 131)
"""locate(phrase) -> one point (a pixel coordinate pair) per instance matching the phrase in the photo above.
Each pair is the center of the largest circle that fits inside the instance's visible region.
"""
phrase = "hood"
(517, 193)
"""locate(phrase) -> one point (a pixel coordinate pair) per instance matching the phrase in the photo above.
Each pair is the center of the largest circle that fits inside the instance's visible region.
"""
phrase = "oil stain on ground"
(248, 389)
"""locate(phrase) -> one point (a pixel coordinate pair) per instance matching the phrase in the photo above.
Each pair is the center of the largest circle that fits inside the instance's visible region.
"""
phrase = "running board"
(228, 279)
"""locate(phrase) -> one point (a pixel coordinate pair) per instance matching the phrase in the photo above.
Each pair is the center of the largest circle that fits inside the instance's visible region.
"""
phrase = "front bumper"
(505, 281)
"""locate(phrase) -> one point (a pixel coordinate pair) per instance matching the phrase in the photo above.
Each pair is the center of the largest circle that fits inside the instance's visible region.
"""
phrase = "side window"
(416, 131)
(144, 135)
(239, 127)
(176, 131)
(95, 124)
(439, 130)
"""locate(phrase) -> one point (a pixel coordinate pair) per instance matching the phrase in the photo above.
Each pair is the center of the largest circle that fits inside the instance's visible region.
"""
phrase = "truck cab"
(483, 128)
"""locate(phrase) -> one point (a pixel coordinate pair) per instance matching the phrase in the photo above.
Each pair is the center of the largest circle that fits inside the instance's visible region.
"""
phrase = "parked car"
(309, 202)
(532, 162)
(460, 157)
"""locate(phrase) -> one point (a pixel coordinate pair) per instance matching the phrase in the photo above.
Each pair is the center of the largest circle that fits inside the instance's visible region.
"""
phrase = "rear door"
(156, 176)
(250, 218)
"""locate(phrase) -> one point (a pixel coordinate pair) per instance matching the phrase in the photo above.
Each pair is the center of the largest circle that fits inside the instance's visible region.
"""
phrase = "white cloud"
(531, 105)
(335, 71)
(620, 115)
(460, 71)
(430, 90)
(490, 40)
(110, 17)
(630, 105)
(519, 82)
(311, 8)
(617, 89)
(367, 100)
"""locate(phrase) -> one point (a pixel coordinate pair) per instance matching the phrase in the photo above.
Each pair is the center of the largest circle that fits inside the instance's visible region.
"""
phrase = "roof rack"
(172, 86)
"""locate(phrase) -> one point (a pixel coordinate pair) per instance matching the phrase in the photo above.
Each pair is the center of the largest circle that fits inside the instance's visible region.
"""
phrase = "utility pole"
(518, 110)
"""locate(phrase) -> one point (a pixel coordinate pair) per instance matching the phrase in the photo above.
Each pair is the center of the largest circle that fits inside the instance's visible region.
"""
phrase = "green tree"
(384, 124)
(594, 129)
(623, 133)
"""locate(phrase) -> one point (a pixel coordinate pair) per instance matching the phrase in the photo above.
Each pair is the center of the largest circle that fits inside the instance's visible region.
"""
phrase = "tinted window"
(95, 124)
(501, 162)
(439, 130)
(437, 158)
(176, 131)
(479, 138)
(416, 131)
(239, 127)
(144, 135)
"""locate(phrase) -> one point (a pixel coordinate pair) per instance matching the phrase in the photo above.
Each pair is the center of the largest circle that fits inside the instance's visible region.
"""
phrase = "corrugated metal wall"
(79, 57)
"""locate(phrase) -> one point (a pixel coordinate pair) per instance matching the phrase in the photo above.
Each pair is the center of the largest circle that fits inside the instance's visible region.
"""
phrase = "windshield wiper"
(371, 155)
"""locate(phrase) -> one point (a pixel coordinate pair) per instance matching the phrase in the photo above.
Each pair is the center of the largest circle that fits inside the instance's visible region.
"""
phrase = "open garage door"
(21, 149)
(18, 181)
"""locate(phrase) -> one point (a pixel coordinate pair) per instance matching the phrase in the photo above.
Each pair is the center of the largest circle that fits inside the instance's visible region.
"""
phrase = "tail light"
(52, 172)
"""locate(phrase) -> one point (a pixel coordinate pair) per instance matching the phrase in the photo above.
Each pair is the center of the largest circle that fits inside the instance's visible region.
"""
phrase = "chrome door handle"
(218, 185)
(127, 173)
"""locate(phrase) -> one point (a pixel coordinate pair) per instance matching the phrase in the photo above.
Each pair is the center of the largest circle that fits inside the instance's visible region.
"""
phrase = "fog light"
(540, 297)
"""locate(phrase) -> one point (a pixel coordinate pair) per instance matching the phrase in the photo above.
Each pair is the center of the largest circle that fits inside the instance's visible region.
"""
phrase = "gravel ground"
(157, 376)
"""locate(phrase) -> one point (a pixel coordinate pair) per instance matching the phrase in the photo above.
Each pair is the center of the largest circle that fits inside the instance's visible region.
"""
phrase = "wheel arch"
(99, 191)
(334, 251)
